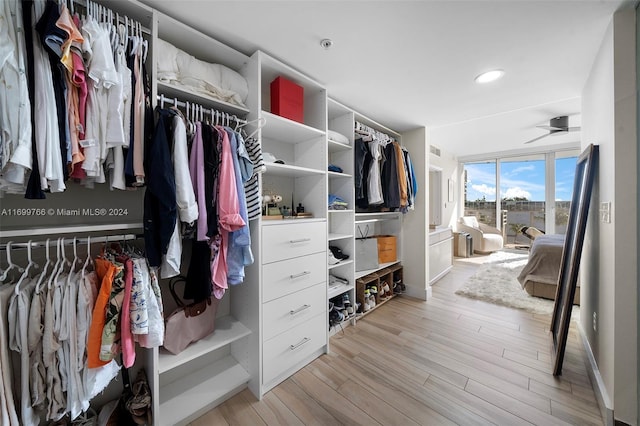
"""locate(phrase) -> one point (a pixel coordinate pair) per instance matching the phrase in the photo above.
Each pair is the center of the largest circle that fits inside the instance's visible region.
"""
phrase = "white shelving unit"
(290, 254)
(209, 371)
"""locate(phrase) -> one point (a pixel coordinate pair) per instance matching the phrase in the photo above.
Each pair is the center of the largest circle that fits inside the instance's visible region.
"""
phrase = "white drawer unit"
(290, 240)
(287, 276)
(293, 309)
(287, 350)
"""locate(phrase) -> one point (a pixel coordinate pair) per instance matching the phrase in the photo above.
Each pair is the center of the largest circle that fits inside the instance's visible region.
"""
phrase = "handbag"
(188, 323)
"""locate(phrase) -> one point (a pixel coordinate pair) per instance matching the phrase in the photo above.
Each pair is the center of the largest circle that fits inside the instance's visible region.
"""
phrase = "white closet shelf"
(337, 265)
(183, 93)
(81, 229)
(334, 146)
(285, 130)
(338, 290)
(340, 211)
(227, 331)
(334, 237)
(200, 391)
(360, 274)
(339, 175)
(285, 170)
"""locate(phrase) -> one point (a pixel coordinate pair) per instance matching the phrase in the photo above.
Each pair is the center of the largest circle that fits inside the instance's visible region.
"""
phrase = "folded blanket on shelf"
(182, 69)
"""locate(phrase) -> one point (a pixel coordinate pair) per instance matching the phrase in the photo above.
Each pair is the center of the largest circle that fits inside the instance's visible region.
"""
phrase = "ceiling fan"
(557, 126)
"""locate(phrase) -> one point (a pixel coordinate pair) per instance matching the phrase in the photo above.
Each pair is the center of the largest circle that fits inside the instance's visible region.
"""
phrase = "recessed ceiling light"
(489, 76)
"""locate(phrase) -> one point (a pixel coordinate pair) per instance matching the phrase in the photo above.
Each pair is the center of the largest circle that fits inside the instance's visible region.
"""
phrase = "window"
(565, 175)
(480, 191)
(522, 195)
(527, 197)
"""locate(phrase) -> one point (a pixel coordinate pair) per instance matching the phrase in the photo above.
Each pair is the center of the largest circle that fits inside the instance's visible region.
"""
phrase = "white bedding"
(181, 69)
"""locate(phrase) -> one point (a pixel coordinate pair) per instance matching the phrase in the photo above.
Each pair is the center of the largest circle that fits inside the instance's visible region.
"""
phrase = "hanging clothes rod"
(121, 18)
(69, 241)
(363, 129)
(211, 111)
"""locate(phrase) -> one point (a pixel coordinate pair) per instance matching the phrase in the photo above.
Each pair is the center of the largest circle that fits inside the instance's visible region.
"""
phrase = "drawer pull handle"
(301, 274)
(297, 345)
(301, 240)
(300, 309)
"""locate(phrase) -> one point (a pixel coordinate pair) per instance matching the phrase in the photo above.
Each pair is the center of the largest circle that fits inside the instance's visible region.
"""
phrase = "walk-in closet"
(151, 169)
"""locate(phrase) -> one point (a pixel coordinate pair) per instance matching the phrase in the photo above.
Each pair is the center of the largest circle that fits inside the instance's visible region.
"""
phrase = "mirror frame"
(571, 252)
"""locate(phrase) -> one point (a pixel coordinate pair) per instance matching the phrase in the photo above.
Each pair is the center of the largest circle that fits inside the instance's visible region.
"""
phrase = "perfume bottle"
(300, 208)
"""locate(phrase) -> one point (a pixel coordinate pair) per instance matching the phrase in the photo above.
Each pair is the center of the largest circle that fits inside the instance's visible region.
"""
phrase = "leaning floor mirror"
(571, 252)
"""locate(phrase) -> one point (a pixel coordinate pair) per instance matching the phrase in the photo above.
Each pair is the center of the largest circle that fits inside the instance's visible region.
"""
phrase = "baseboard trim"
(418, 293)
(604, 402)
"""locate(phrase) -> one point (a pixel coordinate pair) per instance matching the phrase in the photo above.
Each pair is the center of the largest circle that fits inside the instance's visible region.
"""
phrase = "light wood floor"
(449, 360)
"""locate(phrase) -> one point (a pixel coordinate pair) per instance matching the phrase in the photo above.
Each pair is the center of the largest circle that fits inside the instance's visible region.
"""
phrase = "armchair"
(486, 239)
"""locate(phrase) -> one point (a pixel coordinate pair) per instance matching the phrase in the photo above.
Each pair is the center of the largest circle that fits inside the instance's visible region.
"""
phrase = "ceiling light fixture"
(489, 76)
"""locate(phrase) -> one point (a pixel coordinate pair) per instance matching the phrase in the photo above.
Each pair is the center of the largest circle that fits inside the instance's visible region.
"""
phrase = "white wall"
(449, 165)
(608, 267)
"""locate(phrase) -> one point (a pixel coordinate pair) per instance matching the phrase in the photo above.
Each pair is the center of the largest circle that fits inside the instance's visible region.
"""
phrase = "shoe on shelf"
(386, 288)
(366, 307)
(337, 253)
(373, 289)
(372, 301)
(398, 288)
(345, 299)
(333, 280)
(331, 306)
(351, 312)
(335, 318)
(332, 259)
(338, 305)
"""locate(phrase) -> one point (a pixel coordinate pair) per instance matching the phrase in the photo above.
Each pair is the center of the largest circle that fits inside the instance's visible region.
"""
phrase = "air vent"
(435, 150)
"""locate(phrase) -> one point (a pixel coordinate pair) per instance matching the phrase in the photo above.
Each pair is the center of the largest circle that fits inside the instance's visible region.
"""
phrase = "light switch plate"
(605, 212)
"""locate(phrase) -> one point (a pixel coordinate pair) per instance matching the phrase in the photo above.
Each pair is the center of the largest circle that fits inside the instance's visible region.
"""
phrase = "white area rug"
(496, 282)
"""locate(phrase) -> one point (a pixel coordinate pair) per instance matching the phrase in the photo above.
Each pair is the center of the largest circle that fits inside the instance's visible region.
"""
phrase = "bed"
(539, 277)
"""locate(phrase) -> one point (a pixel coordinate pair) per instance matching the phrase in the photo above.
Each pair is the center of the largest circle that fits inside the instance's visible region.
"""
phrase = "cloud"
(517, 192)
(485, 189)
(522, 169)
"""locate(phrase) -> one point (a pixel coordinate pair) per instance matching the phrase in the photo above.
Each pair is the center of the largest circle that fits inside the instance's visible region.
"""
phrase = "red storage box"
(287, 99)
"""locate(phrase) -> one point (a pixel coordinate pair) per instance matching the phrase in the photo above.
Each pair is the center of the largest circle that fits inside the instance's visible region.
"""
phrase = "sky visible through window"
(519, 179)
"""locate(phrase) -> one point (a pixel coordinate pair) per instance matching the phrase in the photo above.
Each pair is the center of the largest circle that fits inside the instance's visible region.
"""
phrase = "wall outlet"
(595, 321)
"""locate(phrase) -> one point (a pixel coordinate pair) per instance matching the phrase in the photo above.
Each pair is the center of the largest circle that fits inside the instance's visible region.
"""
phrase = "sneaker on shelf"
(338, 306)
(345, 299)
(334, 280)
(335, 318)
(337, 253)
(386, 288)
(366, 307)
(373, 289)
(372, 301)
(351, 312)
(332, 259)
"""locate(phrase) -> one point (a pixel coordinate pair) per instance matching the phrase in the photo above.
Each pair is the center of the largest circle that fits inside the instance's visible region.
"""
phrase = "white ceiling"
(412, 63)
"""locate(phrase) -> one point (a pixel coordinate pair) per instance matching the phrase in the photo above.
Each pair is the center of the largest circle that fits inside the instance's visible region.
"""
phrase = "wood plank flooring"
(449, 360)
